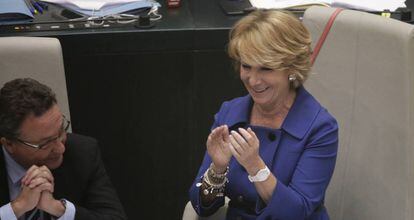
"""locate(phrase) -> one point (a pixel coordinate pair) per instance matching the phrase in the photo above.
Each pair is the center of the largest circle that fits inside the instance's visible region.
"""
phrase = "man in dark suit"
(45, 172)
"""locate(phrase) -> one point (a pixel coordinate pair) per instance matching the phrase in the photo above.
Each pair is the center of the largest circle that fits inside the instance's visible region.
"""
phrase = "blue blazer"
(301, 154)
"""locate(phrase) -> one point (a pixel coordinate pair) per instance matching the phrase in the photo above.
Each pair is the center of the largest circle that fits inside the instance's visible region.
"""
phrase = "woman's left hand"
(245, 148)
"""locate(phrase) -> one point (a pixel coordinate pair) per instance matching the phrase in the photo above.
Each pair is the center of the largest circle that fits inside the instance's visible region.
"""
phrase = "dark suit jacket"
(81, 179)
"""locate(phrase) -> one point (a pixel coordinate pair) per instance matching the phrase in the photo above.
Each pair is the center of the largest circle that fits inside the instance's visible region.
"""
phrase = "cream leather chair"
(364, 75)
(38, 58)
(190, 214)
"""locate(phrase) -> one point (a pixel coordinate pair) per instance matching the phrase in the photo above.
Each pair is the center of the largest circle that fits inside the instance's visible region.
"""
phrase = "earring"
(292, 77)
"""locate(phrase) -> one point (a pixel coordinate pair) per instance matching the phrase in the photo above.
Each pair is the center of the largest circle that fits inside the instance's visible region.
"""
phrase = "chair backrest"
(190, 214)
(39, 58)
(364, 75)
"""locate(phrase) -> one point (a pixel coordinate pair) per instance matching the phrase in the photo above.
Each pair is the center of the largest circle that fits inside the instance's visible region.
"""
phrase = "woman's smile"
(260, 90)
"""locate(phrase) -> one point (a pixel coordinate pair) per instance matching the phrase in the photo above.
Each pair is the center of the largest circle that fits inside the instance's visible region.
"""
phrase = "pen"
(43, 5)
(37, 6)
(30, 7)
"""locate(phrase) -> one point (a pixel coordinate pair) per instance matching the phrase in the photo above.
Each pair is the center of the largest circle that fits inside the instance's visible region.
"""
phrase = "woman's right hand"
(218, 148)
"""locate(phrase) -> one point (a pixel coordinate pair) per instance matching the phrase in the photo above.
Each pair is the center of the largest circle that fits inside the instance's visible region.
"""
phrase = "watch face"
(262, 175)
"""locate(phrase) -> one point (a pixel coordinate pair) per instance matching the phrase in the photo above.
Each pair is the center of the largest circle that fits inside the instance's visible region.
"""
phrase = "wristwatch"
(260, 176)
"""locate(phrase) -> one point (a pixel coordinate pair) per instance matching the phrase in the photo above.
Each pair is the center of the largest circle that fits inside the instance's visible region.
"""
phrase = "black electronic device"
(144, 22)
(236, 7)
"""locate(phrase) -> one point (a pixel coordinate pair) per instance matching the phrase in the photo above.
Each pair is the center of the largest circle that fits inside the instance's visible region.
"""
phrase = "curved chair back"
(39, 58)
(364, 75)
(190, 214)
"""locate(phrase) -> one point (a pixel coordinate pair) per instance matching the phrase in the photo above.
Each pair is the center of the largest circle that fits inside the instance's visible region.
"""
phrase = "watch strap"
(260, 176)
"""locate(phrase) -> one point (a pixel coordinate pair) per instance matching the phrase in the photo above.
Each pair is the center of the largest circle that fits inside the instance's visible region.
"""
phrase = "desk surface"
(192, 15)
(197, 24)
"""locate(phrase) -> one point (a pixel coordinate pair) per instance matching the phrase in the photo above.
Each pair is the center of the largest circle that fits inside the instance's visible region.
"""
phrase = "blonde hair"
(273, 39)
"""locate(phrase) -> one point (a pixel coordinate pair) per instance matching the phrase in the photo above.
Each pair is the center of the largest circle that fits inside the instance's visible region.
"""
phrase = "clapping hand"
(218, 148)
(244, 146)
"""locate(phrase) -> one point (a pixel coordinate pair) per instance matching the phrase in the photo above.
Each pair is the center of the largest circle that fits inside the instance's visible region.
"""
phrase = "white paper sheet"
(369, 5)
(103, 7)
(268, 4)
(90, 4)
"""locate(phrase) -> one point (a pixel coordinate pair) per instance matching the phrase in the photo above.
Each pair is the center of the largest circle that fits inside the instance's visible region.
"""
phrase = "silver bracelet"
(214, 177)
(213, 187)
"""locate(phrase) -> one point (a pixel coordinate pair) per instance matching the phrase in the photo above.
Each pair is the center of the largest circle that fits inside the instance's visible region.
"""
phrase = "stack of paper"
(103, 7)
(368, 5)
(268, 4)
(95, 4)
(14, 11)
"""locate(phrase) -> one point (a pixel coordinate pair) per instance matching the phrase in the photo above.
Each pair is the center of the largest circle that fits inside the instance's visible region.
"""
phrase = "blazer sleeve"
(298, 199)
(195, 190)
(100, 201)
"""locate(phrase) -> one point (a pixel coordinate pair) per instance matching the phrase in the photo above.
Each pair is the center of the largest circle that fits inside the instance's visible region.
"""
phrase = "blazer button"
(240, 198)
(271, 136)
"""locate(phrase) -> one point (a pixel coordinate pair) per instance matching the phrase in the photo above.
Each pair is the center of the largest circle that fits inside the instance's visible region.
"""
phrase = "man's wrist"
(57, 208)
(18, 208)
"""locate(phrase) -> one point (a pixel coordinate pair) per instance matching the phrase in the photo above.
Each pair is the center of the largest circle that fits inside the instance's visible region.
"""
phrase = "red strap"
(324, 34)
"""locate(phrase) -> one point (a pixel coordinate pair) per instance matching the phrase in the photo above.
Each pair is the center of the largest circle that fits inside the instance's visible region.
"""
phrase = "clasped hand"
(243, 145)
(37, 188)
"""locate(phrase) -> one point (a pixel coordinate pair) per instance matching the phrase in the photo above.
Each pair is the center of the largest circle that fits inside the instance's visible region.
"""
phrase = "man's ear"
(7, 144)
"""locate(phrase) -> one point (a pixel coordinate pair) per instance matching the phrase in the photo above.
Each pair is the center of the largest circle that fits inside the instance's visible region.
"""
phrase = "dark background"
(149, 97)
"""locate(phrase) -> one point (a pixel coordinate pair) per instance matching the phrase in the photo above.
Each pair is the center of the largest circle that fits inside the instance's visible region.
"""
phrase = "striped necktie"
(33, 214)
(36, 214)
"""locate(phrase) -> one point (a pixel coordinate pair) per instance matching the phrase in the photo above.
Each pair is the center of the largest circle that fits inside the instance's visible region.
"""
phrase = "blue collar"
(298, 121)
(14, 170)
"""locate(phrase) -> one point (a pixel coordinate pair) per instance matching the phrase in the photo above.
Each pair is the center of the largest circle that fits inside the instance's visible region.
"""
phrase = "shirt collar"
(239, 112)
(14, 170)
(298, 121)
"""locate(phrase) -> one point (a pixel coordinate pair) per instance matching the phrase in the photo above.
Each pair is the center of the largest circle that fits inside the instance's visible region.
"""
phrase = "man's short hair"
(18, 99)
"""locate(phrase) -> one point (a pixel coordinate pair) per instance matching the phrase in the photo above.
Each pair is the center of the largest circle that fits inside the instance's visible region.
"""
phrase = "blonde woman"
(273, 151)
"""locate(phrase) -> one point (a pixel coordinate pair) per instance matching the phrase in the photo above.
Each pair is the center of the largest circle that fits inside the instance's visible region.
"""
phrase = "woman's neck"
(274, 113)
